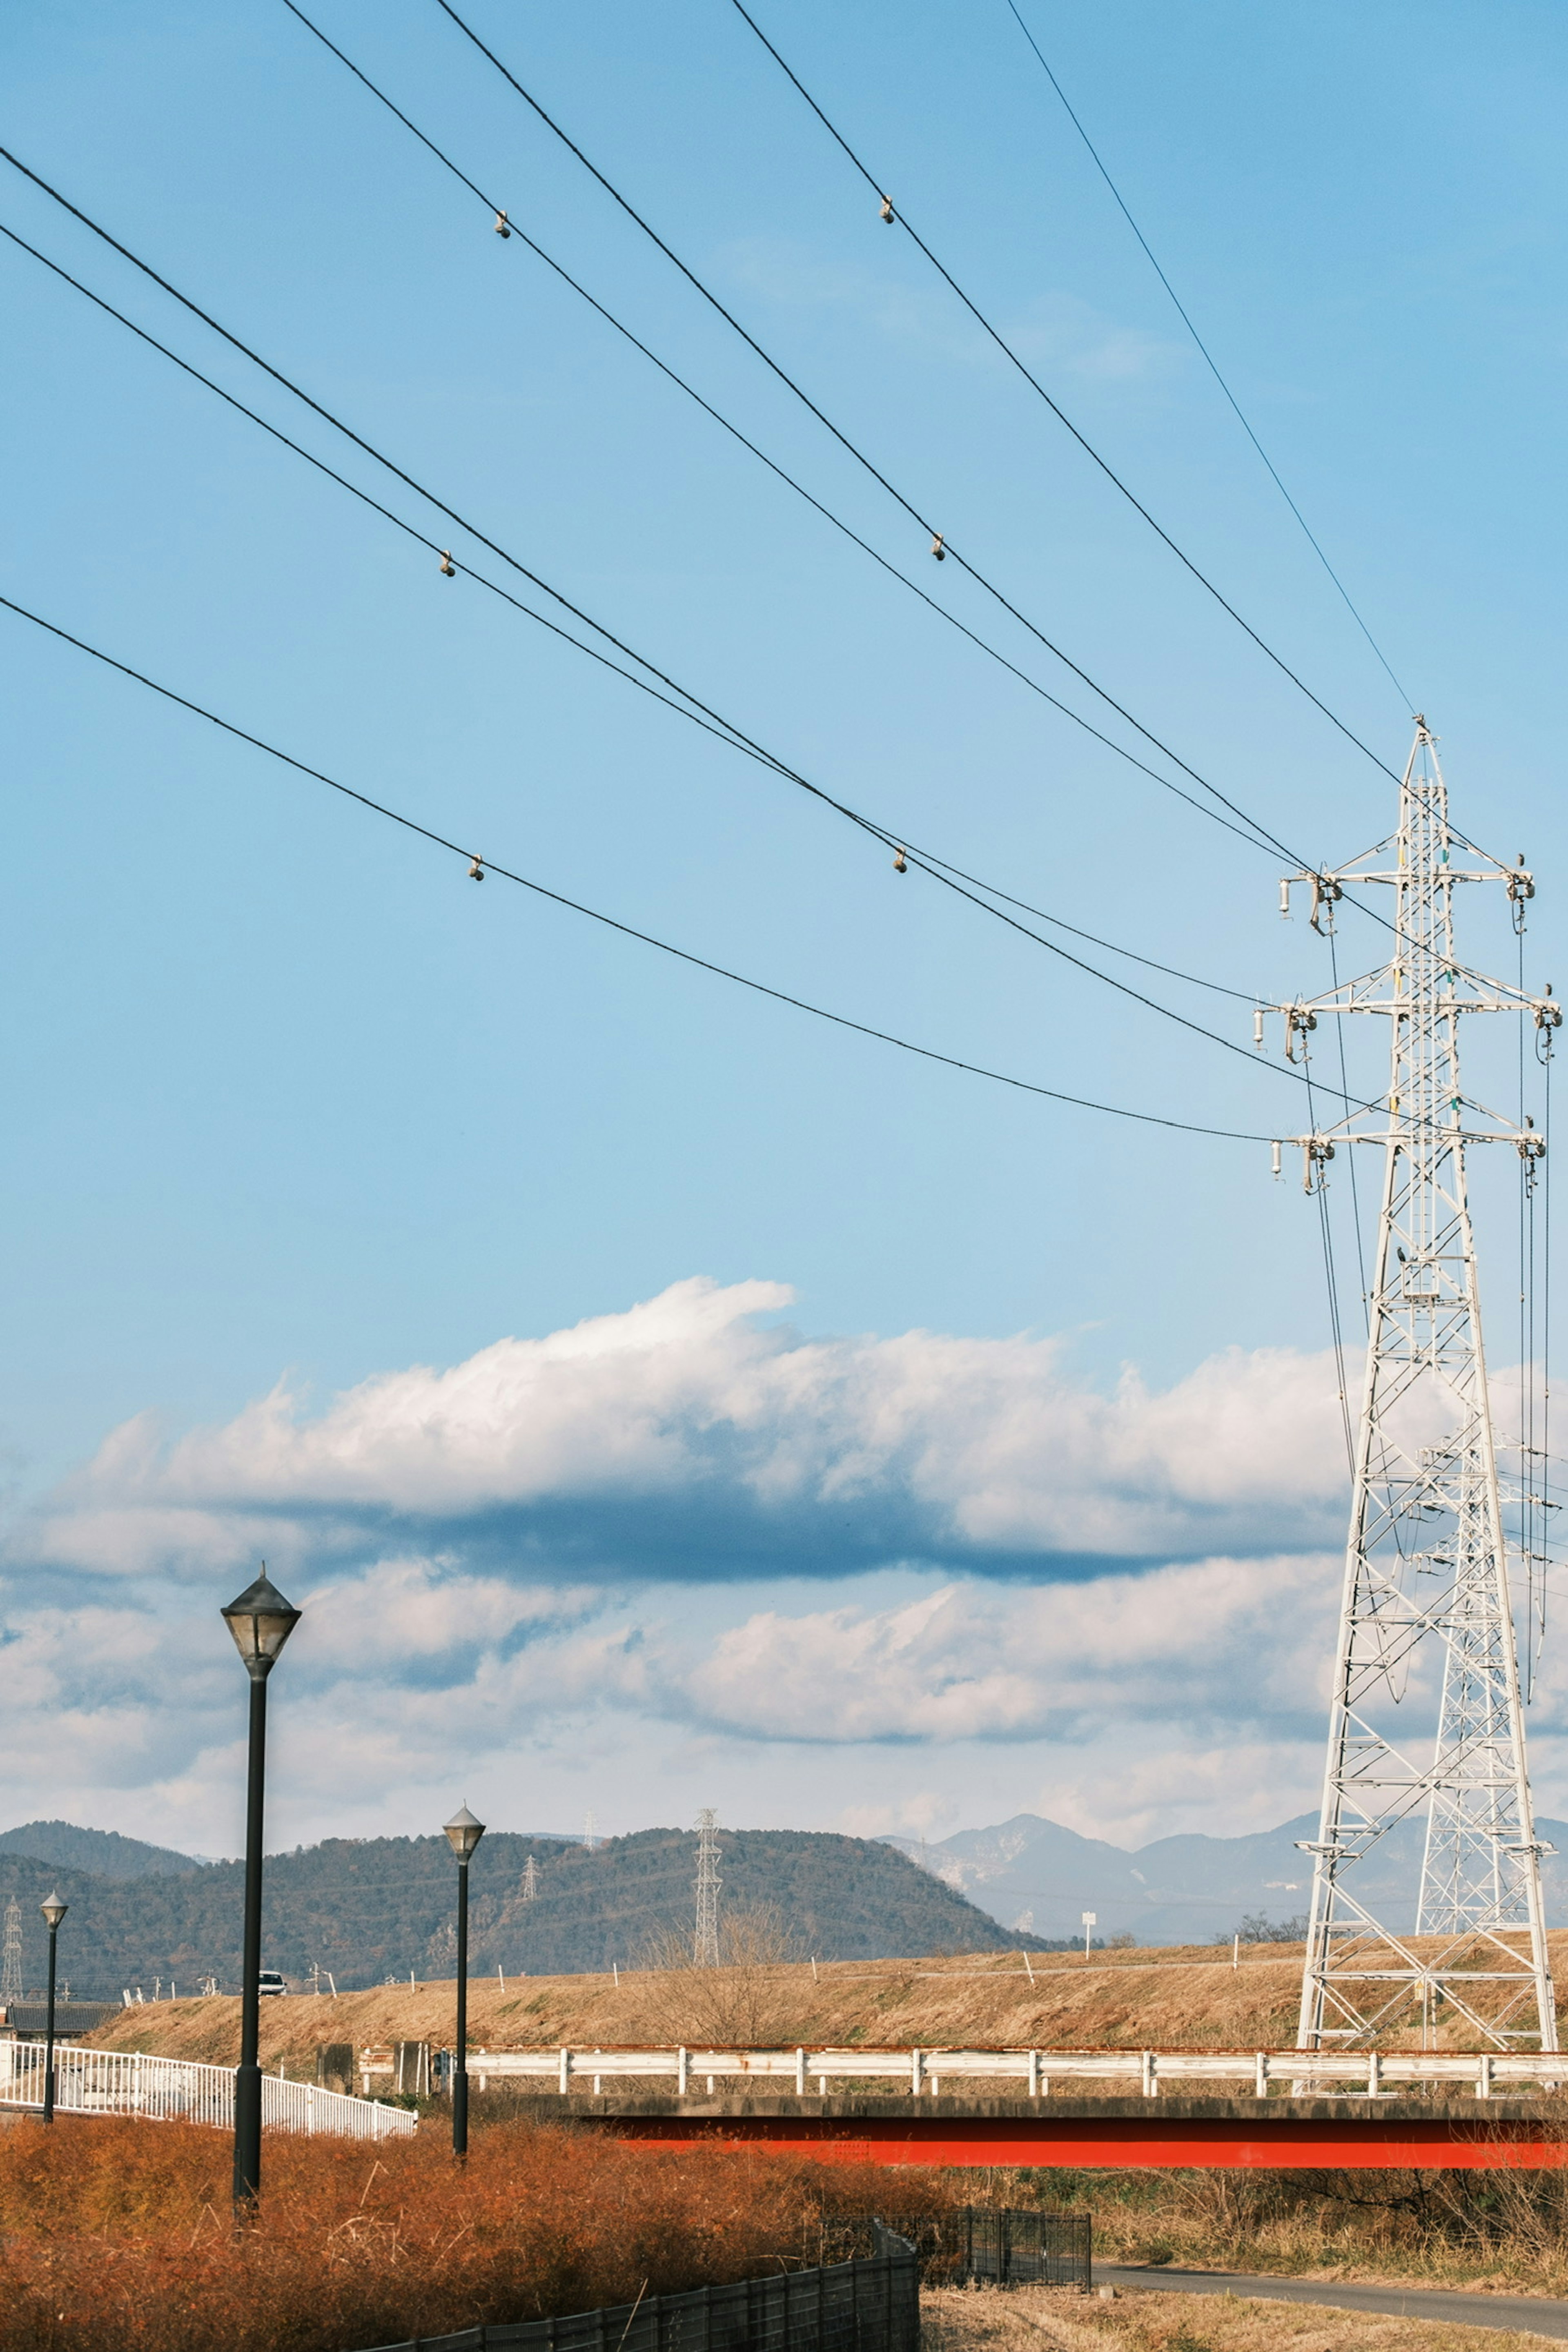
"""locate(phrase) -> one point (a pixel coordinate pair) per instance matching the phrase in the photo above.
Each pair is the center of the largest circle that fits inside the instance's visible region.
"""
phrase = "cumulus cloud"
(684, 1437)
(974, 1662)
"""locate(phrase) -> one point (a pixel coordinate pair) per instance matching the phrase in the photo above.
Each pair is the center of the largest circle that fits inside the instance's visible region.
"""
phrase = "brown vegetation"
(1499, 2229)
(1182, 1998)
(118, 2235)
(748, 2002)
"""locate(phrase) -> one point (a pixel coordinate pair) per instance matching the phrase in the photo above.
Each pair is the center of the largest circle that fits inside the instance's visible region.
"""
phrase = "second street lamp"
(261, 1622)
(54, 1911)
(463, 1833)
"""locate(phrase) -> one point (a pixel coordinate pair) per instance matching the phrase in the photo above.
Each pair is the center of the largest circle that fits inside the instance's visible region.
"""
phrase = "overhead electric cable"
(1258, 836)
(1002, 345)
(938, 538)
(1208, 358)
(718, 729)
(514, 229)
(626, 930)
(939, 872)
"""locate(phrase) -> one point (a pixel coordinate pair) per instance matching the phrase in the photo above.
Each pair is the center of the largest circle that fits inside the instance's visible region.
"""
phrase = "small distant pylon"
(705, 1942)
(11, 1964)
(590, 1832)
(531, 1880)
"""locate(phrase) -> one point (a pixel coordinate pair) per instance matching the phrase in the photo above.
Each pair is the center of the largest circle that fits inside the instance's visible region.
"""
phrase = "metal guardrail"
(696, 2072)
(870, 2306)
(134, 2082)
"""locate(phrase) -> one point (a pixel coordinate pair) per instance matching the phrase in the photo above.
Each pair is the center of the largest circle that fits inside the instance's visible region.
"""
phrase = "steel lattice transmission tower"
(531, 1881)
(11, 1964)
(1427, 1582)
(705, 1941)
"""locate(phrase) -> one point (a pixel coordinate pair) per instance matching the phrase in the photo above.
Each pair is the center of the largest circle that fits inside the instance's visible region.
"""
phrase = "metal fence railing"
(135, 2083)
(1008, 2246)
(995, 2245)
(697, 2072)
(869, 2306)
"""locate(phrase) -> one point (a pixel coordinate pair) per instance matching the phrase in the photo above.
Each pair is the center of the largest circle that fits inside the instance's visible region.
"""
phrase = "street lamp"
(463, 1833)
(261, 1622)
(54, 1911)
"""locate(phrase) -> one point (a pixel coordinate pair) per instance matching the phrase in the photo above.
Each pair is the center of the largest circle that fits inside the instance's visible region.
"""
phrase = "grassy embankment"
(1182, 1998)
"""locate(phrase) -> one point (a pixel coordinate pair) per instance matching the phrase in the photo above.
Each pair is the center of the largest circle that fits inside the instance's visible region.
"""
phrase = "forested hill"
(104, 1853)
(378, 1907)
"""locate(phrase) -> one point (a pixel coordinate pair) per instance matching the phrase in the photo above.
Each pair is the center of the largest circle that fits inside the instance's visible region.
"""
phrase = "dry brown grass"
(1501, 2229)
(118, 2234)
(1168, 2000)
(1047, 2319)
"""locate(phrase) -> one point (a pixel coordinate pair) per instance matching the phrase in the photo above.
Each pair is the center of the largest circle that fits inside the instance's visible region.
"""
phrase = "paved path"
(1522, 2311)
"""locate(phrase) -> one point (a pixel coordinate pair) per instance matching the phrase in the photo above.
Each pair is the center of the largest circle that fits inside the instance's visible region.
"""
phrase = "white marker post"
(1090, 1919)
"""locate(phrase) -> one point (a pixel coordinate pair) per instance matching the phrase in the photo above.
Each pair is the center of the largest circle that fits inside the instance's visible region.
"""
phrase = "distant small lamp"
(260, 1621)
(463, 1834)
(54, 1911)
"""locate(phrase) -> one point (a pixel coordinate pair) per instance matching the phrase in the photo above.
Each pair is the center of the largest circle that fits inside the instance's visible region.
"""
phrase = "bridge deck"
(1168, 2131)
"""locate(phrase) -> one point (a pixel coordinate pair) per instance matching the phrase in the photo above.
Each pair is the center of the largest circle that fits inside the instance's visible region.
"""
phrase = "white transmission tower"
(705, 1941)
(1427, 1583)
(11, 1964)
(531, 1881)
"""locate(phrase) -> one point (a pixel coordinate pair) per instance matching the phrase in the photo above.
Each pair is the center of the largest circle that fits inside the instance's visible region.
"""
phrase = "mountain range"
(1033, 1875)
(364, 1911)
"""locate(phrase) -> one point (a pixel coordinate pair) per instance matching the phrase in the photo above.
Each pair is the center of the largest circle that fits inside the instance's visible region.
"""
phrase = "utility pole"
(1426, 1571)
(705, 1942)
(11, 1964)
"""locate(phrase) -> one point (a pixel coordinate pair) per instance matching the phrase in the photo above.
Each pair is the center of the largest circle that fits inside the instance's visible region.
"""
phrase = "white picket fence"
(133, 2083)
(1365, 2074)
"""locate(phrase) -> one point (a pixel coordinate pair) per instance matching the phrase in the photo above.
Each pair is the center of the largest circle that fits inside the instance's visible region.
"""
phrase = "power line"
(513, 229)
(926, 858)
(1208, 357)
(950, 877)
(626, 930)
(1258, 835)
(939, 539)
(1061, 415)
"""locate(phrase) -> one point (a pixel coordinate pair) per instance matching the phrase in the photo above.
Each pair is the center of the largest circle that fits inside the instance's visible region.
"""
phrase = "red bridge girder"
(1282, 2134)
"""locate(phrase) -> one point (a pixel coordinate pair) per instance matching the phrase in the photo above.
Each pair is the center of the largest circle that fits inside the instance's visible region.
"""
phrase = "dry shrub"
(118, 2235)
(750, 2002)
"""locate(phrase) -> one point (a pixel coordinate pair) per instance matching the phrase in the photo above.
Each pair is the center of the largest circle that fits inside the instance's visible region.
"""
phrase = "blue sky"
(293, 1101)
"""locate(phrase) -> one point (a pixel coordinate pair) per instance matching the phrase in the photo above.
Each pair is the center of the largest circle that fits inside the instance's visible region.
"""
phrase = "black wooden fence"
(871, 2305)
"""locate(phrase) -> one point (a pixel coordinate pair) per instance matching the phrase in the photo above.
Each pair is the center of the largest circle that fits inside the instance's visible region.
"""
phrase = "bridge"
(1087, 2108)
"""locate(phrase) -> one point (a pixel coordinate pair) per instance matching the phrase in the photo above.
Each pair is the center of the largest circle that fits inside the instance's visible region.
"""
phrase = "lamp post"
(463, 1833)
(261, 1622)
(54, 1911)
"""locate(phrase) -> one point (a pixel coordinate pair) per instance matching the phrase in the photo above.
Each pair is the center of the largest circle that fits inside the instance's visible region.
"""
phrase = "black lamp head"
(463, 1833)
(261, 1622)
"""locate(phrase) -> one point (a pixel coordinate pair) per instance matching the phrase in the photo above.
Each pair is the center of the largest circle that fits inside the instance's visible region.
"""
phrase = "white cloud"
(680, 1436)
(987, 1662)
